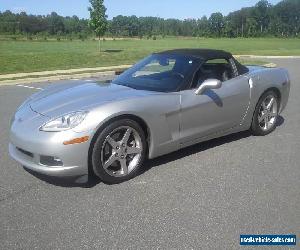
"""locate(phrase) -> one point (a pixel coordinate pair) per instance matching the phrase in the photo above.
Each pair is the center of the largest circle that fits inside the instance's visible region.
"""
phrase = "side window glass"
(220, 69)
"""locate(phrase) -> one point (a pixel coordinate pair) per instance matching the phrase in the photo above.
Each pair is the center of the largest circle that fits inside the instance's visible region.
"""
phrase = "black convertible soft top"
(205, 54)
(208, 54)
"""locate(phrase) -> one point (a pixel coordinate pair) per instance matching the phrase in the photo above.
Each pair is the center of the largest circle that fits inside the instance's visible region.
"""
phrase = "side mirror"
(208, 84)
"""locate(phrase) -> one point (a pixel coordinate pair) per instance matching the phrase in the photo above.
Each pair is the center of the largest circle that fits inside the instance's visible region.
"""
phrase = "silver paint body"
(174, 120)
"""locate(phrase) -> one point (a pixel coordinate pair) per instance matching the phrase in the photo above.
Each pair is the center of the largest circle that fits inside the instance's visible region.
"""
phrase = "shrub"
(82, 36)
(58, 39)
(154, 38)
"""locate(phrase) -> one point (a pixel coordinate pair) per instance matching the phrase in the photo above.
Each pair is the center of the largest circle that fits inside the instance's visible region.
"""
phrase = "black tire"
(256, 129)
(96, 161)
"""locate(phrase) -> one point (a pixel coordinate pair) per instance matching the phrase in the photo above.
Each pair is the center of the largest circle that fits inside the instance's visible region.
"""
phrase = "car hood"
(69, 98)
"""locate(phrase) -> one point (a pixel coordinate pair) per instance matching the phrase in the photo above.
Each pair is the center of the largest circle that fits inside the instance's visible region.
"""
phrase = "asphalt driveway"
(202, 197)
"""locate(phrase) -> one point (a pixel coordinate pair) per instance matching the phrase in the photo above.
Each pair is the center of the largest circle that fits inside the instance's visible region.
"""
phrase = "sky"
(158, 8)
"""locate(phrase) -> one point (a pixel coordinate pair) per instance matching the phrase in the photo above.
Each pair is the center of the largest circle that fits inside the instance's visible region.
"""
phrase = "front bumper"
(34, 164)
(28, 146)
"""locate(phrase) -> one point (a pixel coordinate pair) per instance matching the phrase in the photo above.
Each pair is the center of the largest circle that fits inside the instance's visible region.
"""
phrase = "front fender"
(159, 112)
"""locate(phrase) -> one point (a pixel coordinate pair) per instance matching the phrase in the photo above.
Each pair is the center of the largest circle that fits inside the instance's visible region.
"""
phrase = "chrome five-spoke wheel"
(266, 113)
(119, 151)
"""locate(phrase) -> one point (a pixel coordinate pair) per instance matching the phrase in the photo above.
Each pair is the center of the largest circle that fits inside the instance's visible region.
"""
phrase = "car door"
(214, 111)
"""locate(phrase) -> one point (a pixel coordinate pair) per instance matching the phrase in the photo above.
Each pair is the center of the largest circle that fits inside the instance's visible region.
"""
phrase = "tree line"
(263, 19)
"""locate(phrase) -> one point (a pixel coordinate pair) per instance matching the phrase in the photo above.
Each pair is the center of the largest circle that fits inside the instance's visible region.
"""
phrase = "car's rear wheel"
(266, 114)
(119, 151)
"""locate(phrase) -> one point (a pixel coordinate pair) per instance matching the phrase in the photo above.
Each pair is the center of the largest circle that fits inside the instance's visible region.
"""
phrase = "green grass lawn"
(31, 56)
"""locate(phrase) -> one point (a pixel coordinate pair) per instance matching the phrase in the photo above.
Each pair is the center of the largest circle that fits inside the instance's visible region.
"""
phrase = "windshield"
(159, 72)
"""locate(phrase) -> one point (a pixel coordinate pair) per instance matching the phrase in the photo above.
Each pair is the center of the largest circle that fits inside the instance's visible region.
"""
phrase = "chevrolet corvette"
(165, 102)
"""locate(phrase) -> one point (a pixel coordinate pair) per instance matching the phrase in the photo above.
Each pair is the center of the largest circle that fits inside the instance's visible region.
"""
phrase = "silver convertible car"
(167, 101)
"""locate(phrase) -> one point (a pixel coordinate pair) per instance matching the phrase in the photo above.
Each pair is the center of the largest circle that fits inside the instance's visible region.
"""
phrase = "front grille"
(25, 152)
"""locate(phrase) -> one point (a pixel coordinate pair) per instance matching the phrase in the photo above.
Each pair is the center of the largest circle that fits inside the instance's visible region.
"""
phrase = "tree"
(261, 14)
(56, 24)
(98, 21)
(9, 23)
(251, 25)
(203, 27)
(216, 23)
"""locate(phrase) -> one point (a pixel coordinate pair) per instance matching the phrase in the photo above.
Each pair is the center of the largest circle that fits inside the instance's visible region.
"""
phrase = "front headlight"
(64, 122)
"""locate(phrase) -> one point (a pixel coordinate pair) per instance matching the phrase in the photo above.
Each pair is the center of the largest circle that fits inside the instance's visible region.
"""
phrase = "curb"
(57, 78)
(62, 72)
(268, 57)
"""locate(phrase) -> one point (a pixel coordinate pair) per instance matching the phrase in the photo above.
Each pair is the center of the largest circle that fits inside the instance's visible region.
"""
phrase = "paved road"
(201, 197)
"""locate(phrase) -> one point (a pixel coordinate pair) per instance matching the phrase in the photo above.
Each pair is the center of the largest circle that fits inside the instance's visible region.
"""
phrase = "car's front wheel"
(119, 151)
(266, 114)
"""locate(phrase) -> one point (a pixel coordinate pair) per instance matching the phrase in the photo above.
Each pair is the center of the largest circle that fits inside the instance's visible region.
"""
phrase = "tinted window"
(219, 69)
(159, 72)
